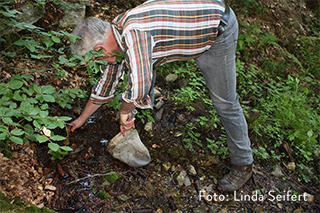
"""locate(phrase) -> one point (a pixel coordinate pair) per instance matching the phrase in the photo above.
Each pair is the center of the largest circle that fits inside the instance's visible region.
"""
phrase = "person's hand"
(75, 124)
(125, 122)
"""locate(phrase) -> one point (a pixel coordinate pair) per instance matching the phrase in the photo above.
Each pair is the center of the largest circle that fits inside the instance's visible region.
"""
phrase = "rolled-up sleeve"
(139, 46)
(104, 89)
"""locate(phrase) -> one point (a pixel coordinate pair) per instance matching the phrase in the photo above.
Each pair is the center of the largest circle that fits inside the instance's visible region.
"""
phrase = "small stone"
(177, 134)
(224, 210)
(159, 211)
(159, 114)
(297, 211)
(182, 178)
(279, 205)
(291, 166)
(156, 92)
(277, 171)
(171, 77)
(40, 187)
(166, 166)
(148, 126)
(50, 187)
(308, 197)
(187, 182)
(159, 104)
(192, 170)
(173, 168)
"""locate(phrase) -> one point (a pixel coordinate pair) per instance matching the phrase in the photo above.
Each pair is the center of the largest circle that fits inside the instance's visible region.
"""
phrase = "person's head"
(93, 32)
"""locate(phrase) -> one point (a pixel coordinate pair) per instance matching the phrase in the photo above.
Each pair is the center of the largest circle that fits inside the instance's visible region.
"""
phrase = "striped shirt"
(154, 33)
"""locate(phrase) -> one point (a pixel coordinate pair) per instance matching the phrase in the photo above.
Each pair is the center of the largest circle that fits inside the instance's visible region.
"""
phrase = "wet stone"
(192, 170)
(157, 93)
(182, 178)
(148, 126)
(166, 166)
(277, 171)
(159, 104)
(159, 114)
(171, 77)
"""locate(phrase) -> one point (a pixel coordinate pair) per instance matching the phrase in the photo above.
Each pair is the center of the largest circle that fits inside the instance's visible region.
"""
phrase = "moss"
(17, 205)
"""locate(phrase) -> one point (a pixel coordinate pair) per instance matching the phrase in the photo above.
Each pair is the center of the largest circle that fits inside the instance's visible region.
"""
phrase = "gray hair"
(92, 31)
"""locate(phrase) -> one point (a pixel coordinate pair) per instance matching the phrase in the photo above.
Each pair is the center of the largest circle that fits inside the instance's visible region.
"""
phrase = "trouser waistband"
(224, 20)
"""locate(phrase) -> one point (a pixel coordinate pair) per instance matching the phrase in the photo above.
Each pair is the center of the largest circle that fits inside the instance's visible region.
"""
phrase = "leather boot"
(237, 177)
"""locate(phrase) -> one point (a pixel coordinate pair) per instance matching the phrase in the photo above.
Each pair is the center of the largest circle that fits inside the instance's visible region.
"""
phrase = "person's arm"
(125, 113)
(89, 109)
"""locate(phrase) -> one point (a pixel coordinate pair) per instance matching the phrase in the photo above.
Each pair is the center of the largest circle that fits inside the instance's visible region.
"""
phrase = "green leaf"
(47, 41)
(17, 132)
(42, 138)
(3, 136)
(36, 124)
(20, 43)
(54, 146)
(66, 148)
(15, 84)
(48, 89)
(48, 98)
(17, 140)
(56, 39)
(310, 133)
(7, 120)
(57, 138)
(30, 46)
(37, 88)
(26, 76)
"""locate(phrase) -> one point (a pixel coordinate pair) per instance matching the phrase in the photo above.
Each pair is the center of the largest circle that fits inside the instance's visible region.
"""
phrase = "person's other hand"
(125, 122)
(75, 124)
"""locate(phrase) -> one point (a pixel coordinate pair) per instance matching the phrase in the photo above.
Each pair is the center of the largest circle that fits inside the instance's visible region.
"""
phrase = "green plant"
(146, 115)
(24, 107)
(24, 113)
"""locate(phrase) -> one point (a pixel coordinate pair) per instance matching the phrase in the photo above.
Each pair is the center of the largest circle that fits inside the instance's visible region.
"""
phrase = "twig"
(91, 176)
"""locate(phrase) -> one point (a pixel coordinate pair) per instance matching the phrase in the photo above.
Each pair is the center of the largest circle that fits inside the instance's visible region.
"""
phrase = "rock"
(224, 210)
(159, 114)
(171, 77)
(30, 14)
(148, 126)
(291, 166)
(166, 166)
(192, 170)
(159, 211)
(73, 16)
(297, 211)
(157, 93)
(177, 134)
(159, 104)
(277, 171)
(182, 178)
(187, 182)
(308, 197)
